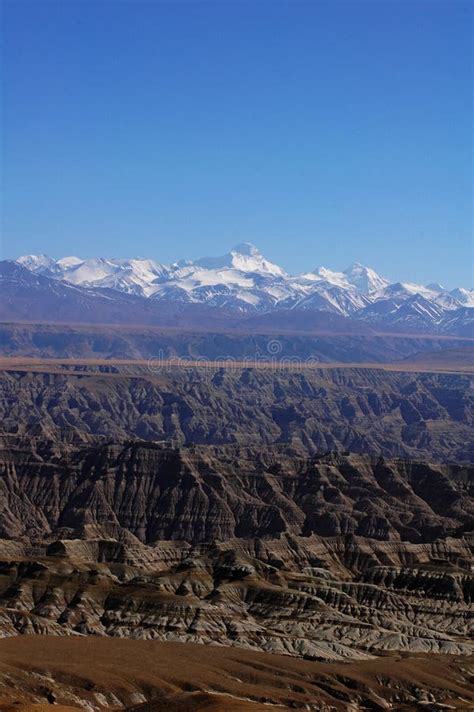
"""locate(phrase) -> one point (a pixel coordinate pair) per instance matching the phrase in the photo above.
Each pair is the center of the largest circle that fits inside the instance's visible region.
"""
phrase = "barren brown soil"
(451, 361)
(157, 677)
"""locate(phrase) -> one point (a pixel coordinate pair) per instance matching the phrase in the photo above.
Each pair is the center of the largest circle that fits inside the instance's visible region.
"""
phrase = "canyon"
(183, 525)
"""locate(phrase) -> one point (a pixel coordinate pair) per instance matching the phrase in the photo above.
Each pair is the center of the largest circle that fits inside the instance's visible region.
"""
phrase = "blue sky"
(324, 132)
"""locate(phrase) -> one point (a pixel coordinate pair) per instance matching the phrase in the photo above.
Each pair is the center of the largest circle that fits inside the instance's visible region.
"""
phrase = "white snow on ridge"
(36, 263)
(89, 272)
(338, 279)
(420, 289)
(464, 296)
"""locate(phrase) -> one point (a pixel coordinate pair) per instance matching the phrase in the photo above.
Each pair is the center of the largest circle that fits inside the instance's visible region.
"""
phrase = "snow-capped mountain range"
(244, 281)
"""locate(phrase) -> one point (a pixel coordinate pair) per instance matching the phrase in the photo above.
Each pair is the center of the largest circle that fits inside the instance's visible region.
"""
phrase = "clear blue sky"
(323, 132)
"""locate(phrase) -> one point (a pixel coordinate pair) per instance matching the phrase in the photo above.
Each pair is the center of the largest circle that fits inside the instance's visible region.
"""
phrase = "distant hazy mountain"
(243, 282)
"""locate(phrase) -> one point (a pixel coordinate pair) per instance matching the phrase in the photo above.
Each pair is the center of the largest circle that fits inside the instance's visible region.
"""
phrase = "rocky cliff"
(204, 494)
(319, 598)
(328, 557)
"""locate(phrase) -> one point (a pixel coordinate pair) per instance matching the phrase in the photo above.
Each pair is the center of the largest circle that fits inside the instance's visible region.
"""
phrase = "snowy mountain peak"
(36, 263)
(245, 248)
(365, 279)
(68, 262)
(464, 296)
(244, 257)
